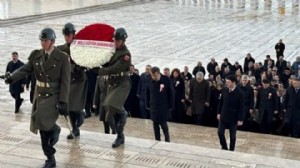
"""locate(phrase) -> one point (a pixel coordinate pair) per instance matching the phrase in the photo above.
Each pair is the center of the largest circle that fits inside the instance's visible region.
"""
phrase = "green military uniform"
(77, 98)
(119, 81)
(57, 69)
(119, 85)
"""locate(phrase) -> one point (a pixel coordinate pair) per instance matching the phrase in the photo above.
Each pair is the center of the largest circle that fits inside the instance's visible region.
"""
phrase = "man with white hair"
(199, 96)
(249, 101)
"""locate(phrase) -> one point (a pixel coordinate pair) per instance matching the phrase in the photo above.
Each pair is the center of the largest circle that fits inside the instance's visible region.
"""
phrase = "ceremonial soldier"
(118, 85)
(78, 84)
(52, 70)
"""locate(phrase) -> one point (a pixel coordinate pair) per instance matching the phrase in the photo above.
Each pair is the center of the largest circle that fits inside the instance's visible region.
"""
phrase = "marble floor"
(170, 33)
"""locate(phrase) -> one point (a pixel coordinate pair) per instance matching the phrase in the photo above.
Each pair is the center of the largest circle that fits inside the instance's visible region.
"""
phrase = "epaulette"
(32, 54)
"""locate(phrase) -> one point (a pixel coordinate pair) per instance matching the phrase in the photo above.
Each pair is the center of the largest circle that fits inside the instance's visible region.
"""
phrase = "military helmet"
(68, 29)
(120, 34)
(47, 34)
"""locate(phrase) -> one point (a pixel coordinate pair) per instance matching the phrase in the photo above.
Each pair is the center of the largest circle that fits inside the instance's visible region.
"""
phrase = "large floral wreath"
(93, 46)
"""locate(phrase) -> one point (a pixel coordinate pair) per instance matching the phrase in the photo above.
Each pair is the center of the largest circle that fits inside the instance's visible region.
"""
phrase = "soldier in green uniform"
(78, 85)
(118, 86)
(52, 70)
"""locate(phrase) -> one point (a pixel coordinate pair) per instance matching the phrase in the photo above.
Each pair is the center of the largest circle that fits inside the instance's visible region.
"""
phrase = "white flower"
(162, 86)
(177, 83)
(91, 54)
(270, 94)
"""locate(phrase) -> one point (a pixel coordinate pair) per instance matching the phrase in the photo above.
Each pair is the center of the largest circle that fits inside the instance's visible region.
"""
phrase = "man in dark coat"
(186, 74)
(267, 104)
(211, 67)
(132, 101)
(225, 64)
(18, 87)
(199, 96)
(199, 68)
(119, 85)
(160, 102)
(53, 72)
(231, 112)
(246, 62)
(268, 63)
(279, 47)
(141, 92)
(291, 106)
(78, 84)
(236, 67)
(281, 64)
(248, 93)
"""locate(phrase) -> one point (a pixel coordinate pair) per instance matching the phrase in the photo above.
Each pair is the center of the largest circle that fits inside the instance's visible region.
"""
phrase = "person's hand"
(240, 123)
(207, 104)
(8, 80)
(251, 111)
(218, 116)
(94, 106)
(276, 112)
(182, 100)
(62, 108)
(284, 110)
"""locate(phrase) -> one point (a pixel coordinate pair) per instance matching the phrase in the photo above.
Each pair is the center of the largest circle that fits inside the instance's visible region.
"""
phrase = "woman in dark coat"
(215, 95)
(179, 88)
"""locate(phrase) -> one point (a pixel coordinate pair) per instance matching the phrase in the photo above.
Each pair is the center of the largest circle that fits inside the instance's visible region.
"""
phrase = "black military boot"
(50, 162)
(80, 118)
(76, 133)
(120, 123)
(55, 135)
(75, 129)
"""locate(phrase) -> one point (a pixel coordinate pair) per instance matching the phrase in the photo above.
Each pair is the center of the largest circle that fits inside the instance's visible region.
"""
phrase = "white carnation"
(88, 55)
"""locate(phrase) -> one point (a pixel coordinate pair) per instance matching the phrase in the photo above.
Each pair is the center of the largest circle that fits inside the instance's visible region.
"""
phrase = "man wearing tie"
(291, 107)
(231, 112)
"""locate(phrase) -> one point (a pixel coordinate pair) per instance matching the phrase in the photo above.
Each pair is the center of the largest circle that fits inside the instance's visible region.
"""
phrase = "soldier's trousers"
(46, 137)
(76, 119)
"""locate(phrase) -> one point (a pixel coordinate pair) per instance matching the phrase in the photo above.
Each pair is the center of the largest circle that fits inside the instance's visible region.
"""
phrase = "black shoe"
(55, 136)
(118, 142)
(50, 162)
(17, 110)
(75, 133)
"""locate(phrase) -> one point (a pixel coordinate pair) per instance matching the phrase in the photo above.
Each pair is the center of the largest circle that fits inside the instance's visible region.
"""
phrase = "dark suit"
(231, 110)
(16, 89)
(160, 101)
(249, 104)
(267, 103)
(279, 47)
(281, 65)
(266, 64)
(246, 63)
(132, 101)
(291, 103)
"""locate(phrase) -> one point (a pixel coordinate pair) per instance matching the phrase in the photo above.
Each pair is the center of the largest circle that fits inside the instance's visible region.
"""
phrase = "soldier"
(18, 87)
(119, 86)
(52, 70)
(78, 84)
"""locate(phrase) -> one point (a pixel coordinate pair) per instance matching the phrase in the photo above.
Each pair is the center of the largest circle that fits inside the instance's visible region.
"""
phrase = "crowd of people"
(197, 99)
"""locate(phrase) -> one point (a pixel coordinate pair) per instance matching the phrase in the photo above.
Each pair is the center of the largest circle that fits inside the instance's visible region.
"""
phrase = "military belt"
(119, 74)
(47, 84)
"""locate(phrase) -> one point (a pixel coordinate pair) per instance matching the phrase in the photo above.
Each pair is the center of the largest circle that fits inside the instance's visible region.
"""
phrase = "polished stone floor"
(170, 33)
